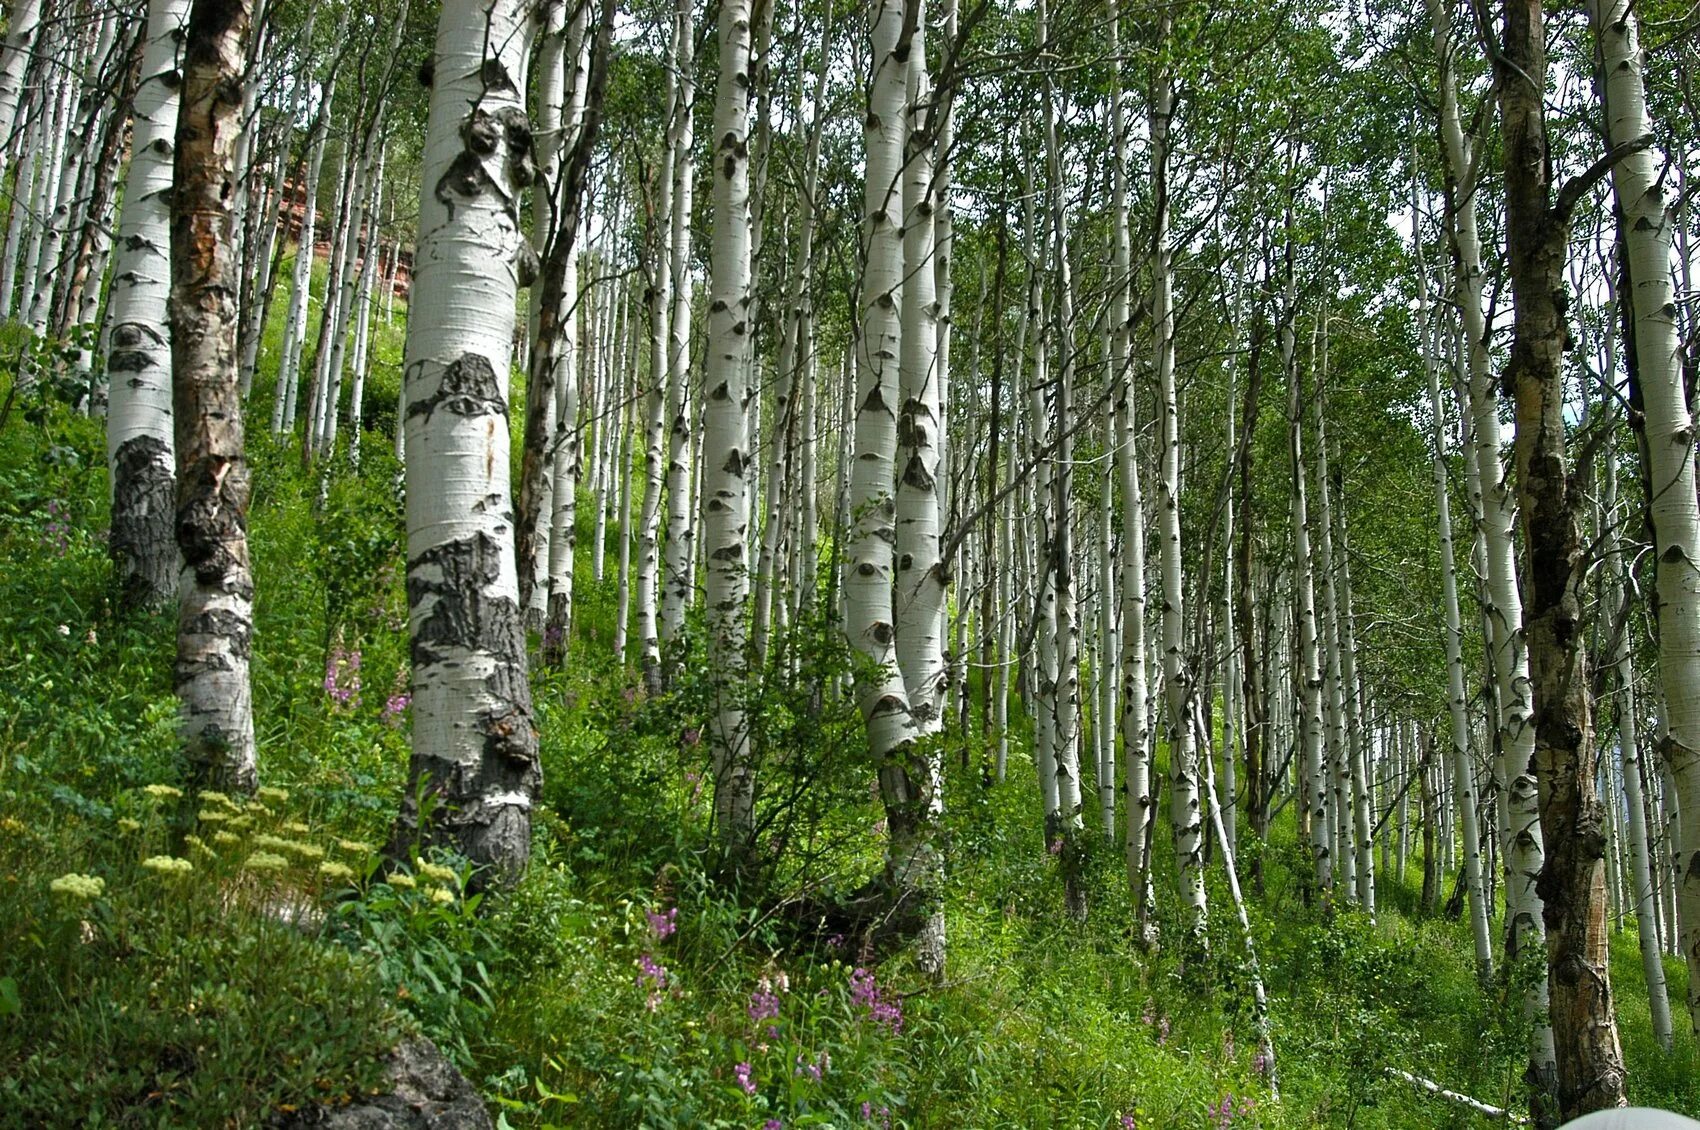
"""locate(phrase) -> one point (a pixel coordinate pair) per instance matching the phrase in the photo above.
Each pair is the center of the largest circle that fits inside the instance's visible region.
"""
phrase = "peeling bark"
(215, 619)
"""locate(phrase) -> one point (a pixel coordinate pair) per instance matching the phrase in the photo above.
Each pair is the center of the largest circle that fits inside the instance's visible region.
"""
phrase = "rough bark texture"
(474, 741)
(215, 621)
(139, 441)
(1524, 850)
(1572, 881)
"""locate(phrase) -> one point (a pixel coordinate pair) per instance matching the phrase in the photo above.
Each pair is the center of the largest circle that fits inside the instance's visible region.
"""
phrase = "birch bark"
(474, 741)
(215, 617)
(139, 440)
(1667, 436)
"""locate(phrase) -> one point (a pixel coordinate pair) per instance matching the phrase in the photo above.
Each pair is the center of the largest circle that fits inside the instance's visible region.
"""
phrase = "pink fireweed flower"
(651, 971)
(865, 992)
(663, 923)
(342, 677)
(764, 1005)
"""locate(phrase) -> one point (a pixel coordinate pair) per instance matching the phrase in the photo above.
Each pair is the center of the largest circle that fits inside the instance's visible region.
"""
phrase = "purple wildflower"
(1127, 1122)
(742, 1071)
(663, 923)
(395, 706)
(1162, 1031)
(865, 992)
(651, 974)
(764, 1005)
(342, 677)
(773, 1124)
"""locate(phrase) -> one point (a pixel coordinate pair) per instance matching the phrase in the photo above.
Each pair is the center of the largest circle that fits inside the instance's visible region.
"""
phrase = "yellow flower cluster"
(168, 866)
(331, 869)
(438, 872)
(266, 861)
(401, 880)
(355, 847)
(274, 794)
(78, 886)
(161, 792)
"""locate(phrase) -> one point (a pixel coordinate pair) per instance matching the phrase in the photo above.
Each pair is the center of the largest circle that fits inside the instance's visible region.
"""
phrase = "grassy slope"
(549, 1000)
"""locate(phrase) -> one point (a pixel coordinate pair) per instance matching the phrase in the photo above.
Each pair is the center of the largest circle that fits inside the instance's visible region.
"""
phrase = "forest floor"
(617, 984)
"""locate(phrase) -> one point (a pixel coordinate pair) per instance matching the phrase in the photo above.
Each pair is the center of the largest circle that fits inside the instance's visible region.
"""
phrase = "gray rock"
(427, 1093)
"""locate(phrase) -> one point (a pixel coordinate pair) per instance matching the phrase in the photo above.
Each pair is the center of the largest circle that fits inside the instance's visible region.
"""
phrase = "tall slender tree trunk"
(139, 426)
(920, 570)
(1572, 881)
(726, 440)
(1185, 812)
(23, 22)
(1309, 667)
(1667, 436)
(905, 781)
(1457, 705)
(660, 278)
(474, 740)
(678, 585)
(1525, 923)
(215, 619)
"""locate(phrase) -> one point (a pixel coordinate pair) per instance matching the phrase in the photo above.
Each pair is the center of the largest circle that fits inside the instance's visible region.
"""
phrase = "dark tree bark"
(1572, 882)
(216, 596)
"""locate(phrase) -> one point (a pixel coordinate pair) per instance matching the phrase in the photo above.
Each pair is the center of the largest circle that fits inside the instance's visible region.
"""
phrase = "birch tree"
(139, 444)
(1667, 437)
(1572, 885)
(474, 740)
(726, 439)
(215, 614)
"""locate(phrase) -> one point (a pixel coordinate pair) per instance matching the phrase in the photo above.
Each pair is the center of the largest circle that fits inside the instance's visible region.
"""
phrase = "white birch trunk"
(726, 439)
(678, 568)
(139, 443)
(920, 598)
(1184, 811)
(300, 290)
(23, 21)
(474, 742)
(1064, 602)
(1525, 853)
(1640, 858)
(215, 611)
(1135, 732)
(1457, 705)
(660, 277)
(1668, 436)
(1309, 667)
